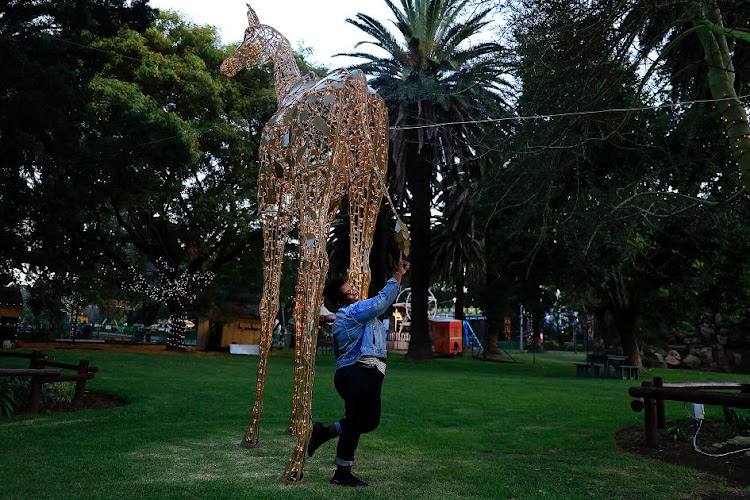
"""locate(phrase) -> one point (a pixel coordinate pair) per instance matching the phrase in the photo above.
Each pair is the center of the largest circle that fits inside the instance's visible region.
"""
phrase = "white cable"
(571, 113)
(714, 455)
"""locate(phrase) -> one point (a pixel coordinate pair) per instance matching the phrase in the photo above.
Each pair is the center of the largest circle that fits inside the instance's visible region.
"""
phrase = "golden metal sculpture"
(328, 138)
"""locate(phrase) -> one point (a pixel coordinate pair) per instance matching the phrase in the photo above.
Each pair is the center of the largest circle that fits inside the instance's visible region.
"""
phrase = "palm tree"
(438, 87)
(457, 249)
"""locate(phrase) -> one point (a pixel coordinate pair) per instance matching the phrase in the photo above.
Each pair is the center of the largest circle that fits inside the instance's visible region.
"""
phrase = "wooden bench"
(40, 375)
(627, 372)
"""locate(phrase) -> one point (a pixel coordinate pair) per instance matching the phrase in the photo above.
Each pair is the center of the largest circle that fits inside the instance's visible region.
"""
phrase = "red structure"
(446, 335)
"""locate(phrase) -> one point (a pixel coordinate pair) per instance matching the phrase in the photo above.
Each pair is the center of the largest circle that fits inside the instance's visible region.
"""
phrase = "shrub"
(15, 392)
(738, 423)
(58, 393)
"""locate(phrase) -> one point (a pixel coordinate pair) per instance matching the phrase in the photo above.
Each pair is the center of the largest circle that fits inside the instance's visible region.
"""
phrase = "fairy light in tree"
(327, 139)
(177, 291)
(71, 309)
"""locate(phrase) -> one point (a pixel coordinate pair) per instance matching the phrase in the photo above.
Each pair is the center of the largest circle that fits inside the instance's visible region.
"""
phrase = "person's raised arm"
(365, 310)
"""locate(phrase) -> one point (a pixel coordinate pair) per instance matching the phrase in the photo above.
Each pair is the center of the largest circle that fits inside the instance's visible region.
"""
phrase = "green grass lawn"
(451, 428)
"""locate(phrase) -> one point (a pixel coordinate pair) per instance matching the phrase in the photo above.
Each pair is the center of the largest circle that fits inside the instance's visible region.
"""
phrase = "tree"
(46, 66)
(674, 27)
(432, 75)
(594, 203)
(149, 176)
(457, 248)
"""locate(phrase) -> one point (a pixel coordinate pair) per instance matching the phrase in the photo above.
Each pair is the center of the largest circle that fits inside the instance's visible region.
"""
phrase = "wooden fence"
(42, 371)
(650, 399)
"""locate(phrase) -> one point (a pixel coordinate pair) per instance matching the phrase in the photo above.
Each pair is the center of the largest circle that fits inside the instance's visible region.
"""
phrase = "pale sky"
(318, 24)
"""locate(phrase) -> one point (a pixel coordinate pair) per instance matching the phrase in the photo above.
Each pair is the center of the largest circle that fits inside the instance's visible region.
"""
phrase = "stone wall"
(721, 346)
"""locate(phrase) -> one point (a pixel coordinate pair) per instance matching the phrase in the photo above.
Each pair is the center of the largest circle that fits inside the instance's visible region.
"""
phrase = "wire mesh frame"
(328, 138)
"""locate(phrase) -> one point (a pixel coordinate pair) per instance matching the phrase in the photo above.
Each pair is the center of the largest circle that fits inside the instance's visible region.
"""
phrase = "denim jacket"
(358, 331)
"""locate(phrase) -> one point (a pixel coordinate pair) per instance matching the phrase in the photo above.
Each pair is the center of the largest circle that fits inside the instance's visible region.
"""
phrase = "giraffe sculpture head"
(257, 47)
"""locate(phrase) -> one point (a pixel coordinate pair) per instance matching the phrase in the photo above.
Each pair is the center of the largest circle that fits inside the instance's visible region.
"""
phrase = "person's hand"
(402, 268)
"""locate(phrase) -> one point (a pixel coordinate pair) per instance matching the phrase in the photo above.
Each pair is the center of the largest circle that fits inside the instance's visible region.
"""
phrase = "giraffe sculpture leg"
(298, 335)
(298, 339)
(275, 232)
(366, 188)
(314, 228)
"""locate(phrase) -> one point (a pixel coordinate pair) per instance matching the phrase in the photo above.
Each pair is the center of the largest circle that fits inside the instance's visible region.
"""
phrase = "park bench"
(650, 399)
(583, 369)
(599, 365)
(40, 374)
(627, 372)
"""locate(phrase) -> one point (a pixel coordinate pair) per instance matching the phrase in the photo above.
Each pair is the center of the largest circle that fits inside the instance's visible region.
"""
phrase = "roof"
(11, 295)
(245, 311)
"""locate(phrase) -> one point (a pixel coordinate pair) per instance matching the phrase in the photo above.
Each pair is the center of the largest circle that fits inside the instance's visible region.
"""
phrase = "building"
(11, 302)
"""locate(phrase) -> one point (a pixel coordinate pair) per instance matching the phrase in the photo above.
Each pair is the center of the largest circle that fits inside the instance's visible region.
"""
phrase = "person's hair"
(331, 290)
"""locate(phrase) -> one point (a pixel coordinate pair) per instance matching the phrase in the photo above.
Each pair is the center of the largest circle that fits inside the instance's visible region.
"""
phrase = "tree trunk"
(176, 337)
(625, 315)
(419, 176)
(458, 310)
(494, 303)
(626, 321)
(721, 82)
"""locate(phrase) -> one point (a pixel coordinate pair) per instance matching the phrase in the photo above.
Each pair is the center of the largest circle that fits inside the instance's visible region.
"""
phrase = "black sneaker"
(346, 478)
(318, 436)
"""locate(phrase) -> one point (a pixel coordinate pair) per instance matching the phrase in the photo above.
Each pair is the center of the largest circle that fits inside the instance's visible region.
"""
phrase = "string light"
(181, 290)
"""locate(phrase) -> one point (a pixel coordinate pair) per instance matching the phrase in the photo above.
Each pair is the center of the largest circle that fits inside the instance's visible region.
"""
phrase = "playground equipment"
(402, 309)
(471, 338)
(446, 335)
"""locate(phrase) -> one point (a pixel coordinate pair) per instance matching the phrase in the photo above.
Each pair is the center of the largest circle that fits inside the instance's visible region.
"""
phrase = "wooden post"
(83, 373)
(649, 418)
(36, 393)
(661, 418)
(37, 360)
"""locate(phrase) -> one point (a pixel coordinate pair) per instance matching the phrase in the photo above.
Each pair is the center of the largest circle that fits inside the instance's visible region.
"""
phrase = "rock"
(658, 357)
(673, 353)
(691, 362)
(707, 333)
(737, 359)
(672, 361)
(722, 339)
(655, 363)
(722, 360)
(717, 318)
(736, 339)
(706, 356)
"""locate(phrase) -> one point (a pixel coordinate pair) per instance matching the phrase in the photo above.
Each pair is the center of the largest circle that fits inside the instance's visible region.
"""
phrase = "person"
(359, 347)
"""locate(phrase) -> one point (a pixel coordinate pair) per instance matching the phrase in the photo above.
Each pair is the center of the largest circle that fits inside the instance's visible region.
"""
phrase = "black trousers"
(359, 386)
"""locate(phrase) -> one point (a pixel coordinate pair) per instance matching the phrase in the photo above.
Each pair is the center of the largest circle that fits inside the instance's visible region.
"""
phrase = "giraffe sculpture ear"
(252, 17)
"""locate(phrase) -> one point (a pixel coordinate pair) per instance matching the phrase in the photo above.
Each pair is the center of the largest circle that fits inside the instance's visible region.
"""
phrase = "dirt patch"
(676, 447)
(92, 400)
(95, 400)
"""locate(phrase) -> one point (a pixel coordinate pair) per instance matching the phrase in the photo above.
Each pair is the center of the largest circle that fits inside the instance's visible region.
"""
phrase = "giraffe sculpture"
(328, 138)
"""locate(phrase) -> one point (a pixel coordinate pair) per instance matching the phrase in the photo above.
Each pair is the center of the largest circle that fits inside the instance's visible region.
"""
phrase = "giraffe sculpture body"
(328, 138)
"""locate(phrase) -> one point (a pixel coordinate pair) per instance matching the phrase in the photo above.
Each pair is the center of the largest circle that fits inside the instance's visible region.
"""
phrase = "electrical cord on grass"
(697, 424)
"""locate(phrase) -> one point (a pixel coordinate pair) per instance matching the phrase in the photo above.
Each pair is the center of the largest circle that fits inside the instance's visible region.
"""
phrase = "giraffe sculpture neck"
(285, 70)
